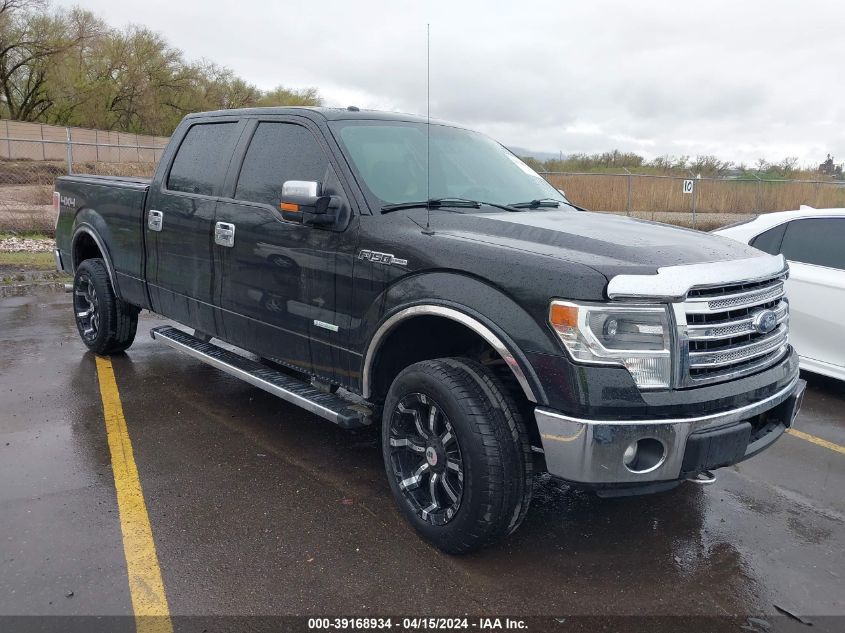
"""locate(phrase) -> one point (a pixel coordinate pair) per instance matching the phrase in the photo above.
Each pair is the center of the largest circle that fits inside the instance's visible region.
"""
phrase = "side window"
(202, 158)
(769, 241)
(279, 152)
(819, 241)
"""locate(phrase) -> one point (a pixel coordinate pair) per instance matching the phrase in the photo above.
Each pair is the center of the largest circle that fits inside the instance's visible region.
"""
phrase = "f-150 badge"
(382, 258)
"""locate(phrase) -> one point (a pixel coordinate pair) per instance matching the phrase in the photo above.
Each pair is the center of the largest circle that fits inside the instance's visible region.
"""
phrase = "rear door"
(815, 249)
(286, 287)
(179, 224)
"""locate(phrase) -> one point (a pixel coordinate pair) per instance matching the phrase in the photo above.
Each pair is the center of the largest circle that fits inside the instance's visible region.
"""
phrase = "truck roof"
(330, 114)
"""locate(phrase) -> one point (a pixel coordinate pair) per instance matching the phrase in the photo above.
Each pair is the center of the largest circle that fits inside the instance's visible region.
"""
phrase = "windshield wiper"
(432, 203)
(504, 207)
(536, 204)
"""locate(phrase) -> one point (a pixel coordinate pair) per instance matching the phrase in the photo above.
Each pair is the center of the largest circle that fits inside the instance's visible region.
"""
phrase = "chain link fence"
(32, 156)
(701, 203)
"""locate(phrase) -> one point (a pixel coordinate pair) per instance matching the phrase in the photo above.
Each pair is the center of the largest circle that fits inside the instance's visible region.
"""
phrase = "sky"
(740, 80)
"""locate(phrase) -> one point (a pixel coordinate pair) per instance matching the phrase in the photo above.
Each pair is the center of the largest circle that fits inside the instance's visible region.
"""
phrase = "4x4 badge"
(382, 258)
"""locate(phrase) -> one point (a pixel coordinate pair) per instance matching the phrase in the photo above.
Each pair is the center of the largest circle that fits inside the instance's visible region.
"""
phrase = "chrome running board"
(330, 406)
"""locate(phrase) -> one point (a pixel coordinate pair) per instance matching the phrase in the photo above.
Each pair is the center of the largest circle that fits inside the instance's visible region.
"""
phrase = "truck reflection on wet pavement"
(257, 507)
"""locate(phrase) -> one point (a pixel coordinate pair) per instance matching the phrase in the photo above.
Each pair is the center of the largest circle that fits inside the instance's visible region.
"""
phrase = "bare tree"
(69, 67)
(70, 84)
(29, 38)
(281, 96)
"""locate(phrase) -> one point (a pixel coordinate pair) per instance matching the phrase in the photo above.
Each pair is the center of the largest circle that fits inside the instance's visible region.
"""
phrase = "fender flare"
(455, 315)
(90, 231)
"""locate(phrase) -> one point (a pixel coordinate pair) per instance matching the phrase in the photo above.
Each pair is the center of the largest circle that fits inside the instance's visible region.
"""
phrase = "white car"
(813, 241)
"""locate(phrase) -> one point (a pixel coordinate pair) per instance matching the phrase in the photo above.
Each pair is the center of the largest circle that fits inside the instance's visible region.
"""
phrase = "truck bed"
(112, 207)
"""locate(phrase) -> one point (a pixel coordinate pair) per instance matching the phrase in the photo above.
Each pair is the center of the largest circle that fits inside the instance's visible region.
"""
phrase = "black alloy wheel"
(456, 453)
(106, 323)
(426, 458)
(86, 307)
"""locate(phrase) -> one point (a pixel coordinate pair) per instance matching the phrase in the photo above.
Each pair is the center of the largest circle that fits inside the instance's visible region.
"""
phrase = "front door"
(180, 223)
(285, 284)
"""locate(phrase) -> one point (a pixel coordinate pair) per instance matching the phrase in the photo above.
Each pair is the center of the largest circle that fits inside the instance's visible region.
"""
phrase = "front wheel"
(106, 324)
(457, 454)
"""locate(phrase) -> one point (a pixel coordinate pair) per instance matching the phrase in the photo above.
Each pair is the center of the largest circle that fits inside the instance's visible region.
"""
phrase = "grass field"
(717, 202)
(27, 260)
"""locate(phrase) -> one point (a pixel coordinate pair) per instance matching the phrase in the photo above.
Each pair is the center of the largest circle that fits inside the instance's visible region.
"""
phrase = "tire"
(106, 324)
(478, 448)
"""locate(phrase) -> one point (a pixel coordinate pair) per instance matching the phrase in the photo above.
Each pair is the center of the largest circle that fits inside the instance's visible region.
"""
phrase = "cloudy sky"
(739, 79)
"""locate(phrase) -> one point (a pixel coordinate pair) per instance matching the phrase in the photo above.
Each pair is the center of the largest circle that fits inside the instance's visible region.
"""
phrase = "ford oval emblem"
(765, 321)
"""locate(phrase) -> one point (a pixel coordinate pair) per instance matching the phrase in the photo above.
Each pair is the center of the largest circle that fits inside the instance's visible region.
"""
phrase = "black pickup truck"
(376, 268)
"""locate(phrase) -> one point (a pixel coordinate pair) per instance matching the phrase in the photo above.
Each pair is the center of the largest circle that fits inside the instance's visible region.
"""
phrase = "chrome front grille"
(718, 339)
(736, 300)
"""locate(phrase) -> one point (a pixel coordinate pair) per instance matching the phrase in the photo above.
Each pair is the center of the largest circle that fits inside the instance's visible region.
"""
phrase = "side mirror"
(302, 202)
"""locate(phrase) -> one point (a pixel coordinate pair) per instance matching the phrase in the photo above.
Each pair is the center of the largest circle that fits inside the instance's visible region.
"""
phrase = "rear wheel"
(106, 324)
(457, 454)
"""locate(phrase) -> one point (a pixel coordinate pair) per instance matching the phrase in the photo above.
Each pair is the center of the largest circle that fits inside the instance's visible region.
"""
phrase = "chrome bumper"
(591, 451)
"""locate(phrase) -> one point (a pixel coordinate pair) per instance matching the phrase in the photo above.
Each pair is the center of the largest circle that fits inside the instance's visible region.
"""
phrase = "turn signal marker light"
(563, 316)
(289, 206)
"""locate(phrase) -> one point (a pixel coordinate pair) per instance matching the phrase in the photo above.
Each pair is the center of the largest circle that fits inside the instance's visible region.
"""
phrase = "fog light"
(644, 455)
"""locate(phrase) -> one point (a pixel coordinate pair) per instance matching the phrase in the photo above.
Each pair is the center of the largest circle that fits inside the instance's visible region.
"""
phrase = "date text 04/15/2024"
(417, 624)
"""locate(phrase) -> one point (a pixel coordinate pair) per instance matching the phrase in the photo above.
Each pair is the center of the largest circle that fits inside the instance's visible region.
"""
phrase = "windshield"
(389, 158)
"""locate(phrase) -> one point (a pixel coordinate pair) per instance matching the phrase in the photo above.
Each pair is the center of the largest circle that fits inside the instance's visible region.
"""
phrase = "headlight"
(635, 337)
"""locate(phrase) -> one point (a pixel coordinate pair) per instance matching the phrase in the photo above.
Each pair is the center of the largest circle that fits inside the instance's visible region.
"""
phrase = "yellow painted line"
(149, 602)
(817, 440)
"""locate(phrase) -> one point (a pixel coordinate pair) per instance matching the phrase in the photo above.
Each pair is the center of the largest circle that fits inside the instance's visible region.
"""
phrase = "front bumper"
(592, 451)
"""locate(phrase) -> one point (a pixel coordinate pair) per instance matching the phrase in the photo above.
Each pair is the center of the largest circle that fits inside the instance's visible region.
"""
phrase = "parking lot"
(258, 508)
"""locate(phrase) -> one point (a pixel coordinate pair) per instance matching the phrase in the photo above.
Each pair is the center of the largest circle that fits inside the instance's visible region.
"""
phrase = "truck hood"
(608, 243)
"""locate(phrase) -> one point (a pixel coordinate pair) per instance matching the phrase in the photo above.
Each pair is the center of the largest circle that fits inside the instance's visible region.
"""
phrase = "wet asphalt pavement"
(259, 508)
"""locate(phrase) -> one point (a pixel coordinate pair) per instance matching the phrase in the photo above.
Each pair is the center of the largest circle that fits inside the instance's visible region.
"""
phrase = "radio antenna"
(428, 230)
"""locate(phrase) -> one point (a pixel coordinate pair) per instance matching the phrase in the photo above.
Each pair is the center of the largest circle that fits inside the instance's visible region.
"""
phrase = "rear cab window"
(202, 157)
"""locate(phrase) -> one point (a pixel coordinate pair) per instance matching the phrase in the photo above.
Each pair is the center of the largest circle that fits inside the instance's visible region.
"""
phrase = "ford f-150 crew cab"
(375, 268)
